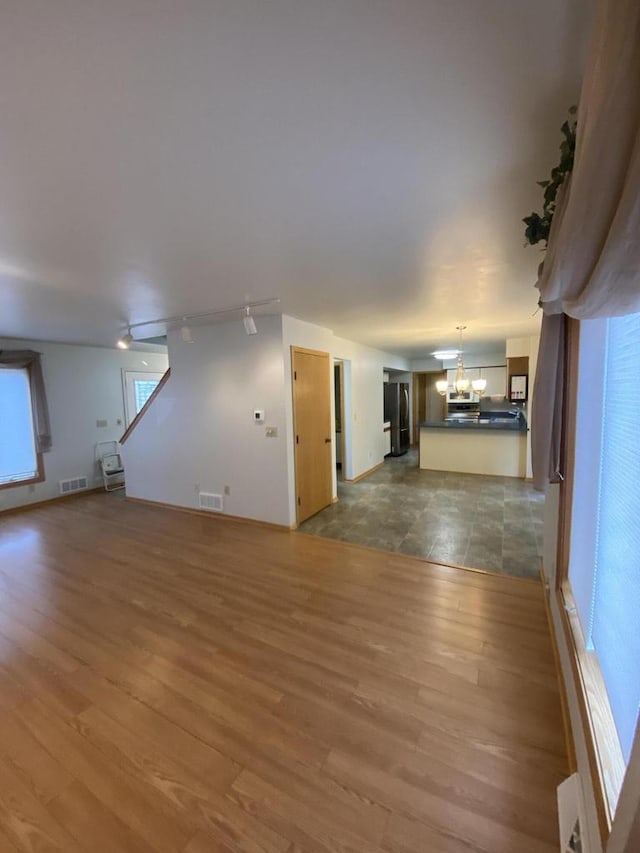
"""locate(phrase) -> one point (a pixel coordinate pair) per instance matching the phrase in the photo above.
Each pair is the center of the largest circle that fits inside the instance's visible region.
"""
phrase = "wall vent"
(211, 502)
(76, 484)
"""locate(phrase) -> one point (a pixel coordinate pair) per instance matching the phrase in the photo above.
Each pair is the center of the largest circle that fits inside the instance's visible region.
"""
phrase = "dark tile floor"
(492, 523)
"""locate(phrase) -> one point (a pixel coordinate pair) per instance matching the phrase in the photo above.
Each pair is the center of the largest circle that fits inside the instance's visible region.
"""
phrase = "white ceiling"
(367, 161)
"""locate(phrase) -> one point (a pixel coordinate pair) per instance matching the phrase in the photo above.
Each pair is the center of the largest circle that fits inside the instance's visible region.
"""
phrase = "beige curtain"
(31, 360)
(592, 265)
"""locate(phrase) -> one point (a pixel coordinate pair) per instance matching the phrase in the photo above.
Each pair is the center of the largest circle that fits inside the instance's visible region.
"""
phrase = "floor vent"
(211, 502)
(76, 484)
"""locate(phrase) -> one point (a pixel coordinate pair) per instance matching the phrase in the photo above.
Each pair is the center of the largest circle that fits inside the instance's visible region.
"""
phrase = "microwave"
(469, 396)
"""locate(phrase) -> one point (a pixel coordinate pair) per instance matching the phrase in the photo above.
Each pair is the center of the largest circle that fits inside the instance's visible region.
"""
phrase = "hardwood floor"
(183, 684)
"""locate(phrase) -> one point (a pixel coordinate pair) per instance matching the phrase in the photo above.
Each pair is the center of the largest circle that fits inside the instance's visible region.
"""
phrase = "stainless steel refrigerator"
(396, 410)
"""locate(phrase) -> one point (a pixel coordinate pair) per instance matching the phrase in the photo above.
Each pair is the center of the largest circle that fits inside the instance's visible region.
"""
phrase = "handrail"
(148, 402)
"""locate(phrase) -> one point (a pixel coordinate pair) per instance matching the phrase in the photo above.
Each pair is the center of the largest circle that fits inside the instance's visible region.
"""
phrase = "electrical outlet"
(101, 423)
(271, 432)
(227, 490)
(196, 487)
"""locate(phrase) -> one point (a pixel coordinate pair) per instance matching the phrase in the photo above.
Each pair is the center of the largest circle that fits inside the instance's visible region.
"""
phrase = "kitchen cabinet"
(496, 381)
(472, 373)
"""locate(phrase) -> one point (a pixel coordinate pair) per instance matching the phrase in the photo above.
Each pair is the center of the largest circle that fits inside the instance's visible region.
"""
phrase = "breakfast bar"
(475, 447)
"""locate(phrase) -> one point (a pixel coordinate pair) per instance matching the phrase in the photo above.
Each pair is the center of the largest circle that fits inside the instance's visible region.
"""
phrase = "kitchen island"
(475, 447)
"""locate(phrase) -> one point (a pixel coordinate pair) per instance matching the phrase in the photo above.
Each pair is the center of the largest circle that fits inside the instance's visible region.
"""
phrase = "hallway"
(491, 523)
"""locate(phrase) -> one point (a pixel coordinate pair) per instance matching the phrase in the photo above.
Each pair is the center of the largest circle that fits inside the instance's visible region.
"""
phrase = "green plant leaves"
(539, 225)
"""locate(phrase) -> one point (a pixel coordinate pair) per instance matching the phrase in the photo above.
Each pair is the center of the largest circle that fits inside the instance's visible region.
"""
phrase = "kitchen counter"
(474, 447)
(512, 426)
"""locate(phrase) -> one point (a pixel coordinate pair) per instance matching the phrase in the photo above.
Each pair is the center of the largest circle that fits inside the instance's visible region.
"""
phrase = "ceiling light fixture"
(445, 354)
(462, 384)
(125, 340)
(249, 323)
(180, 321)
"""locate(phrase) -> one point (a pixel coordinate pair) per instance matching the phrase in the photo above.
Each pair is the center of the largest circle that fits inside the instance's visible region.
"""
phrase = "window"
(138, 387)
(144, 388)
(603, 585)
(19, 461)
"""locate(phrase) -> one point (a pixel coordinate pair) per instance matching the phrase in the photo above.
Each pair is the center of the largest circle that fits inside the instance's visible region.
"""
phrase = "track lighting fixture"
(181, 321)
(125, 340)
(249, 323)
(185, 331)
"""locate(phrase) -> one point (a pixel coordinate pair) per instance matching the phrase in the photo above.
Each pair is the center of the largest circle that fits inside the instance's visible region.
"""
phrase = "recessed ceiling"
(367, 161)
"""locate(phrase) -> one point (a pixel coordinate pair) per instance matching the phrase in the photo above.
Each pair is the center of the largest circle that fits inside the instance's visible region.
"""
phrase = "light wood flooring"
(183, 684)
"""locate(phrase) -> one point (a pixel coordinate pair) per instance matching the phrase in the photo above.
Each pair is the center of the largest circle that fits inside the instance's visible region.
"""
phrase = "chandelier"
(461, 383)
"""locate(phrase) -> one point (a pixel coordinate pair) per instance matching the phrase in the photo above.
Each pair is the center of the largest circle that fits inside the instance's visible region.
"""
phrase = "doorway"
(428, 405)
(311, 371)
(339, 419)
(138, 386)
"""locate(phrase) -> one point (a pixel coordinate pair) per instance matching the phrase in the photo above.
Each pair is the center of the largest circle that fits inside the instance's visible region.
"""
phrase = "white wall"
(364, 409)
(199, 434)
(200, 430)
(428, 364)
(83, 385)
(526, 347)
(492, 359)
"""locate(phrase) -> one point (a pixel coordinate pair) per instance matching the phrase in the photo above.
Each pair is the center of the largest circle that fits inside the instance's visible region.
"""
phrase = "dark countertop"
(474, 426)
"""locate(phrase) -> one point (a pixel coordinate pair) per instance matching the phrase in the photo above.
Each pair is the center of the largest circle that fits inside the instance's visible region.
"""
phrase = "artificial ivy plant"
(539, 225)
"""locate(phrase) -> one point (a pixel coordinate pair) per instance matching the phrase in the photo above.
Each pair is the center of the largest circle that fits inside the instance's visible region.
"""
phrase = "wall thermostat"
(258, 416)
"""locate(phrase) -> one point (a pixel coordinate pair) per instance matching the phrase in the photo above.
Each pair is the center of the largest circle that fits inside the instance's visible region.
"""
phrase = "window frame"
(129, 376)
(606, 764)
(40, 475)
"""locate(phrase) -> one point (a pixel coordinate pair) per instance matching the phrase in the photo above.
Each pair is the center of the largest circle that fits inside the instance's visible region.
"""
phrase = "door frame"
(415, 378)
(332, 459)
(337, 362)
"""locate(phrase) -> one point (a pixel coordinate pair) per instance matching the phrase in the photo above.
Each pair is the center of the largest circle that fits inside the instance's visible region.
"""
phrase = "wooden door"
(428, 405)
(311, 371)
(436, 405)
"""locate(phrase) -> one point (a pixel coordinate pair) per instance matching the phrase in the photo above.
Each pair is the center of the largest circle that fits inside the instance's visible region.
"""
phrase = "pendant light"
(461, 382)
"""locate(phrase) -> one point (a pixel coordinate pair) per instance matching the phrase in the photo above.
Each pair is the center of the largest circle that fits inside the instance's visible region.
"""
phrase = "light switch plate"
(271, 432)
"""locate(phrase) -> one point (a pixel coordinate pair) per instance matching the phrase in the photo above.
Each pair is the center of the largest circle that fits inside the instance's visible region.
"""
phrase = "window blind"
(615, 603)
(17, 447)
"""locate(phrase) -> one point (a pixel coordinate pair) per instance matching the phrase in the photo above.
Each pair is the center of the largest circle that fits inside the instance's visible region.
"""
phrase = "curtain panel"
(31, 361)
(592, 265)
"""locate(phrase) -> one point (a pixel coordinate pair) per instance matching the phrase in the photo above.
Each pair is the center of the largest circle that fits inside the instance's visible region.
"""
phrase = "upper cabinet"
(496, 381)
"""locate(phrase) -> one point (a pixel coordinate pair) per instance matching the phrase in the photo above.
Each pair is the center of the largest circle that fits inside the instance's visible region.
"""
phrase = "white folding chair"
(111, 465)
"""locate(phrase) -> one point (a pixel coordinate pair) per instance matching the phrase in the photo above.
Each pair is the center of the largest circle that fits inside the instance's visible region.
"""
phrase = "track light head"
(125, 341)
(249, 323)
